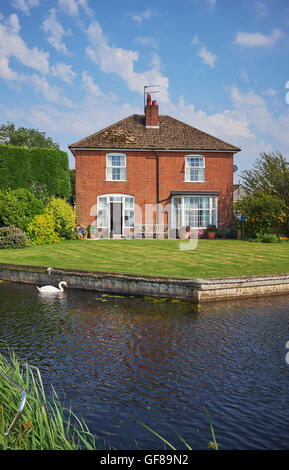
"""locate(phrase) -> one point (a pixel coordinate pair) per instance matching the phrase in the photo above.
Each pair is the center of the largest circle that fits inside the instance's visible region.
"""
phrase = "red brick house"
(152, 173)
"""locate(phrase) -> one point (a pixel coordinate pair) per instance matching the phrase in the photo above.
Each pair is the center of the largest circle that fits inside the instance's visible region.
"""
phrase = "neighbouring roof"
(172, 134)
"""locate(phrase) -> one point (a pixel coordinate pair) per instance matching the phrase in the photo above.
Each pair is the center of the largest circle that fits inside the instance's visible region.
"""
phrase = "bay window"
(194, 211)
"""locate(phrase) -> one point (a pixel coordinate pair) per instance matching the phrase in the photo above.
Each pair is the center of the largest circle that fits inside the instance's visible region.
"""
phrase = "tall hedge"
(19, 167)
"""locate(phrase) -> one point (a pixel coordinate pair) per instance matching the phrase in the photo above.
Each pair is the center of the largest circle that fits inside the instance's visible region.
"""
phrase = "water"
(117, 358)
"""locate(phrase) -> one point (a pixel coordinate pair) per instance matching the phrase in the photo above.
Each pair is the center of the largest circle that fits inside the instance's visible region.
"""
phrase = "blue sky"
(72, 67)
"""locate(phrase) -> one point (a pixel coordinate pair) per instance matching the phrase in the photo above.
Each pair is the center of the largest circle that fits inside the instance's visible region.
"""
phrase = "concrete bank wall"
(197, 291)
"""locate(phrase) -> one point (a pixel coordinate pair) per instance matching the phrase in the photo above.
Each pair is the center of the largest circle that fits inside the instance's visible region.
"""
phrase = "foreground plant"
(212, 445)
(44, 424)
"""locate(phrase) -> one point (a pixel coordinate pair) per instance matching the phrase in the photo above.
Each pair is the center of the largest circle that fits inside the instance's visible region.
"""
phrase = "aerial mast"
(146, 91)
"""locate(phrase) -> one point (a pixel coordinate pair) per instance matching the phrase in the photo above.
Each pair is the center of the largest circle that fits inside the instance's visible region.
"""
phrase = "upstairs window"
(115, 167)
(194, 168)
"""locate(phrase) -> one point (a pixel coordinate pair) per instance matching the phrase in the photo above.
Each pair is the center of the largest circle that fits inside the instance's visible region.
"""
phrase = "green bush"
(12, 237)
(63, 217)
(265, 214)
(268, 238)
(18, 207)
(21, 167)
(41, 230)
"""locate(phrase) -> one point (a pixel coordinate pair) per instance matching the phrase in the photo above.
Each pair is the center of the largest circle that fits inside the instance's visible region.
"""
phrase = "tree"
(265, 214)
(24, 137)
(270, 174)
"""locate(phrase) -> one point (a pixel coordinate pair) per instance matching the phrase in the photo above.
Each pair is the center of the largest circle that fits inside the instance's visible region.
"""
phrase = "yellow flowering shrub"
(63, 217)
(41, 230)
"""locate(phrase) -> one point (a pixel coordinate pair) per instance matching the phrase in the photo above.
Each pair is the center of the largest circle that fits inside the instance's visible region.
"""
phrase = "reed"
(45, 424)
(212, 444)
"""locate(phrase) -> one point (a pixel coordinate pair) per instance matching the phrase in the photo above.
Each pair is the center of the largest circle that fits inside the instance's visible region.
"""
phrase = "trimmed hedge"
(20, 167)
(18, 207)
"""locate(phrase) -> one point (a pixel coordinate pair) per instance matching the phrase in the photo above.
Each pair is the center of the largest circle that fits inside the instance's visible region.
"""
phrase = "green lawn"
(212, 258)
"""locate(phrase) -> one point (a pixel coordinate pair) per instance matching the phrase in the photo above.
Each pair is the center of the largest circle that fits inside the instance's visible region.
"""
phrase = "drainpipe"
(157, 184)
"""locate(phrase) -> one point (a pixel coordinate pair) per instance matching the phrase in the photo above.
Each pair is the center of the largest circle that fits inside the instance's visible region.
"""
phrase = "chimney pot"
(151, 113)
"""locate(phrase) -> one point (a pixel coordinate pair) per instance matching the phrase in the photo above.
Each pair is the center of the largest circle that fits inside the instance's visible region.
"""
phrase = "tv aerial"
(147, 91)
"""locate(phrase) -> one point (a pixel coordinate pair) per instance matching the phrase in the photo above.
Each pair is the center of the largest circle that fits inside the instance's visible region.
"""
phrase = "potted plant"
(211, 231)
(223, 232)
(184, 233)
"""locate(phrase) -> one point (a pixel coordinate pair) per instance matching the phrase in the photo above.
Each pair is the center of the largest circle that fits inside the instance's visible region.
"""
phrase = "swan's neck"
(60, 286)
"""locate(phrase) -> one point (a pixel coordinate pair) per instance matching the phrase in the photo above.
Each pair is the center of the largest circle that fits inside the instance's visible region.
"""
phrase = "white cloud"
(146, 41)
(55, 31)
(67, 127)
(50, 93)
(258, 39)
(89, 86)
(261, 9)
(144, 15)
(92, 89)
(12, 45)
(230, 124)
(5, 70)
(13, 24)
(195, 40)
(121, 62)
(207, 56)
(270, 92)
(261, 119)
(25, 5)
(73, 7)
(64, 72)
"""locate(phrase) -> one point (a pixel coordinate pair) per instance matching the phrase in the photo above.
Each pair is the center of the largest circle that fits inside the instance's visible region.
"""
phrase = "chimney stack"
(151, 113)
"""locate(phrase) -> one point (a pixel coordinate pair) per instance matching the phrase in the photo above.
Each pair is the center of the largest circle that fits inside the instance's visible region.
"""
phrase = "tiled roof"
(172, 134)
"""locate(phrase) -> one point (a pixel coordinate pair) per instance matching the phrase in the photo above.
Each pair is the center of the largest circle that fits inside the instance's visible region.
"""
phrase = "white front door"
(115, 213)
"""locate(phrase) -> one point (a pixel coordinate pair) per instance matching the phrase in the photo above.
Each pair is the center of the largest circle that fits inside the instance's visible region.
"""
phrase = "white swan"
(52, 289)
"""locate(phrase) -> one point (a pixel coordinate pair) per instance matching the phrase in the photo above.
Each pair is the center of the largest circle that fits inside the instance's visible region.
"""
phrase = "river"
(160, 361)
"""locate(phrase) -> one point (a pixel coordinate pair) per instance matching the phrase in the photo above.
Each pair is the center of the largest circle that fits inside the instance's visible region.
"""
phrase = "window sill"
(195, 181)
(115, 181)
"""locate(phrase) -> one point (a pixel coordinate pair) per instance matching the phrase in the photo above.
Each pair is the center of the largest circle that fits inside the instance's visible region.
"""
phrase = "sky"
(72, 67)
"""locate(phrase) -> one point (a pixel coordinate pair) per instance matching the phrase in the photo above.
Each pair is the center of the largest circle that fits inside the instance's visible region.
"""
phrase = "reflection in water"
(114, 358)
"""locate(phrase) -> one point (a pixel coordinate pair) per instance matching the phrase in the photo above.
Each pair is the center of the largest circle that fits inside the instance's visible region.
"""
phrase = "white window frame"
(121, 198)
(109, 166)
(187, 168)
(213, 211)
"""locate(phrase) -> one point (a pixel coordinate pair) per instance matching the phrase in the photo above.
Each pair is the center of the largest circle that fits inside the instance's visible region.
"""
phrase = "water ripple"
(160, 362)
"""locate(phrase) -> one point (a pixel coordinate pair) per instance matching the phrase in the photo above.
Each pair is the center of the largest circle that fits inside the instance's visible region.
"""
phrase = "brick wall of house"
(141, 180)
